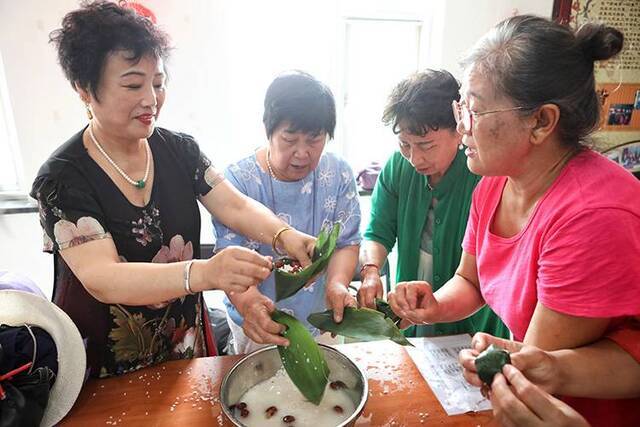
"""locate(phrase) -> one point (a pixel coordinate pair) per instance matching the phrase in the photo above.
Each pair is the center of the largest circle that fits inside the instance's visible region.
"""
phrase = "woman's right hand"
(298, 245)
(414, 303)
(258, 325)
(234, 269)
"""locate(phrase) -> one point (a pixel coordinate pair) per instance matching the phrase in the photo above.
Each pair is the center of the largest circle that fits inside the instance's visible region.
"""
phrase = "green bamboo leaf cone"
(287, 284)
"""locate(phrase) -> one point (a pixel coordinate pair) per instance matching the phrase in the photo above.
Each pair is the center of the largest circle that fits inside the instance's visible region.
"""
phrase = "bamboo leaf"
(303, 360)
(360, 323)
(287, 284)
(321, 243)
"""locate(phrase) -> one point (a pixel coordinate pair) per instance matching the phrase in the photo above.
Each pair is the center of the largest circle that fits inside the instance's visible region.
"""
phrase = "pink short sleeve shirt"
(579, 253)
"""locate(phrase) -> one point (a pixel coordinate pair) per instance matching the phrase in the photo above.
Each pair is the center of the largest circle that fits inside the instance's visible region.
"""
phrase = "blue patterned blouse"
(325, 196)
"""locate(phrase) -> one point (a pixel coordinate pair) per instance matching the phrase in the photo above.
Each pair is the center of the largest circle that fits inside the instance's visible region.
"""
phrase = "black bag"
(26, 394)
(26, 398)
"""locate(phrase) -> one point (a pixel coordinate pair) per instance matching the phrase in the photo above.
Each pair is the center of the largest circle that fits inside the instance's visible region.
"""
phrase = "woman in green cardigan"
(422, 199)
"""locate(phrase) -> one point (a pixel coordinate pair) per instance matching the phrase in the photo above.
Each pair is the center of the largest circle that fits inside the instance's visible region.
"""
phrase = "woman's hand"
(298, 245)
(414, 303)
(518, 402)
(338, 297)
(370, 289)
(537, 365)
(233, 269)
(258, 325)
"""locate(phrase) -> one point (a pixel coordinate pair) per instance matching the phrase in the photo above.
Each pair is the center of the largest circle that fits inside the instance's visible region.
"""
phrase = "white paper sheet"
(437, 361)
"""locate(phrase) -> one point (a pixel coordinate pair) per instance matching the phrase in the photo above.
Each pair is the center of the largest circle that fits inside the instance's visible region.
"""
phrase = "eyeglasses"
(464, 116)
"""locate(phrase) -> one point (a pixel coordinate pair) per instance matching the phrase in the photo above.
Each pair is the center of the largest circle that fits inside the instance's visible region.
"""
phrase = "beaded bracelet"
(369, 264)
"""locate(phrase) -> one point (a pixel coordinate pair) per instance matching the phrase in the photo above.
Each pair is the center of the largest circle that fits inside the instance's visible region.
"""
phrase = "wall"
(47, 111)
(465, 21)
(21, 249)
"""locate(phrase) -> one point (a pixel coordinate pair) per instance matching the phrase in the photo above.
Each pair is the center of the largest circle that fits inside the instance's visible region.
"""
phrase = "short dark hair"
(422, 102)
(303, 101)
(97, 29)
(535, 61)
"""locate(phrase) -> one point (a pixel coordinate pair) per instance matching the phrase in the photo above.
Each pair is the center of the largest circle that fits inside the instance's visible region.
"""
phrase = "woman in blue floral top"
(306, 188)
(118, 204)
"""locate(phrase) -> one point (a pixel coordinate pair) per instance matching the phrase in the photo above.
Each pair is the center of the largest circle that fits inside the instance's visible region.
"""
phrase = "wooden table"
(185, 393)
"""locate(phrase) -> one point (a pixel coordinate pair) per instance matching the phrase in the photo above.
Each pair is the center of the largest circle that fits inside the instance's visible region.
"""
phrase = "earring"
(460, 146)
(89, 113)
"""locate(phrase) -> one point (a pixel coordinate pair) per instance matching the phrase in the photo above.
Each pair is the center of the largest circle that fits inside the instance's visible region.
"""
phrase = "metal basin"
(263, 364)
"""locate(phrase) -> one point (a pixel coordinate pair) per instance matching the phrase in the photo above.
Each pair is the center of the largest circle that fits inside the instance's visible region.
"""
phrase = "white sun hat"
(18, 308)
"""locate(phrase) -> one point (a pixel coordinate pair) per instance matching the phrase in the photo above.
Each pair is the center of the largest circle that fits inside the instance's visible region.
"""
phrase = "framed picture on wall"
(619, 114)
(630, 157)
(627, 155)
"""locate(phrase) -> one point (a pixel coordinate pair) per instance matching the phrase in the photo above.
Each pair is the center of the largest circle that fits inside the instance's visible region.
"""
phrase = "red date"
(337, 385)
(271, 411)
(288, 266)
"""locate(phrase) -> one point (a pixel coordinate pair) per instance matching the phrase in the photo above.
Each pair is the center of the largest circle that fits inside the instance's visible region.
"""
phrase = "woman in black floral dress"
(118, 204)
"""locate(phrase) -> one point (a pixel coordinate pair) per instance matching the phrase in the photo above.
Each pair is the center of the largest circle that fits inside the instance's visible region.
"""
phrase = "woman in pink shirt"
(553, 239)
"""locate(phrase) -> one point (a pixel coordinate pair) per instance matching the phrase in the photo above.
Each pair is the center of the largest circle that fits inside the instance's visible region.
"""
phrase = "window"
(9, 159)
(378, 54)
(361, 49)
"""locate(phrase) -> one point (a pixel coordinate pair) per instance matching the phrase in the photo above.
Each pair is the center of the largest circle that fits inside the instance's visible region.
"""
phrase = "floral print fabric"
(79, 203)
(68, 234)
(325, 196)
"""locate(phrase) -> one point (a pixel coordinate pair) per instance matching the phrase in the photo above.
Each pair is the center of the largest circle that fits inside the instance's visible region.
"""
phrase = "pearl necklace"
(139, 183)
(273, 198)
(273, 175)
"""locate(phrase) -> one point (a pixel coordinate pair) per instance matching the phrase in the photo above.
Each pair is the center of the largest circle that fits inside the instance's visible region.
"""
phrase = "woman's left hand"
(518, 402)
(298, 245)
(338, 297)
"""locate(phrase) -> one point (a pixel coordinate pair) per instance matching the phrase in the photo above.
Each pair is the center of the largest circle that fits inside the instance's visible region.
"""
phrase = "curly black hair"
(97, 29)
(422, 102)
(302, 100)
